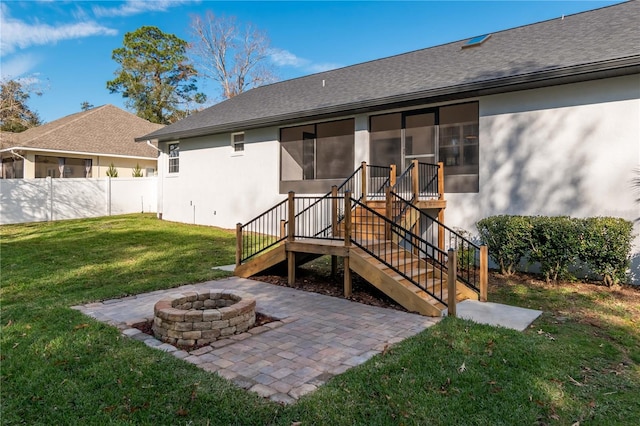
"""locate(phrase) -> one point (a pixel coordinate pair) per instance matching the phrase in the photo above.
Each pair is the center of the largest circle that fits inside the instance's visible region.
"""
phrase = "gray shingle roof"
(104, 130)
(593, 44)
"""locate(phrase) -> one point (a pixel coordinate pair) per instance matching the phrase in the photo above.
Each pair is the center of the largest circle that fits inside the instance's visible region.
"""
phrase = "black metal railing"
(378, 178)
(428, 180)
(317, 217)
(264, 231)
(412, 257)
(404, 184)
(352, 184)
(440, 235)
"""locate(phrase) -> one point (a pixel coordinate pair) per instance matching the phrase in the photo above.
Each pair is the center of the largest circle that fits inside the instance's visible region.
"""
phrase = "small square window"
(237, 142)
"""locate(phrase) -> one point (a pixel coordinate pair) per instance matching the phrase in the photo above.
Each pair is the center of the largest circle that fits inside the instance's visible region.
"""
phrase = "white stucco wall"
(219, 187)
(565, 150)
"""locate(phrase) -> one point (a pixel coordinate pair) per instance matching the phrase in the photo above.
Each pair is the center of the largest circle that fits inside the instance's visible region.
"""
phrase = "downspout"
(16, 154)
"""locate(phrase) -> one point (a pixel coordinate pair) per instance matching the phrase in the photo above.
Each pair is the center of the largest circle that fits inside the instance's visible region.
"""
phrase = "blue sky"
(65, 46)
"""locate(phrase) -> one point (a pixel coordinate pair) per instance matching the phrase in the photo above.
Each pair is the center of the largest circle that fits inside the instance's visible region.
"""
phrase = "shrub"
(507, 238)
(137, 171)
(555, 244)
(605, 247)
(112, 171)
(558, 243)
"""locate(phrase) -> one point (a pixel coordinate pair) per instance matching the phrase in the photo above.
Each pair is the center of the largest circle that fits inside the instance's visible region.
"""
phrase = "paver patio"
(316, 337)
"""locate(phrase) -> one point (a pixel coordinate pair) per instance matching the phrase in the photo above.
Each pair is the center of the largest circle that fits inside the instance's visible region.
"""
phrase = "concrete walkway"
(315, 338)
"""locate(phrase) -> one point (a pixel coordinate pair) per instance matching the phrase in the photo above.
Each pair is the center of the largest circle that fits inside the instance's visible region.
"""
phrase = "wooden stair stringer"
(262, 262)
(408, 295)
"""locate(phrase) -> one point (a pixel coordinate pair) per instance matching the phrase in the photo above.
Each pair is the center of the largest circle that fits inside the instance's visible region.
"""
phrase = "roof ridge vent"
(476, 41)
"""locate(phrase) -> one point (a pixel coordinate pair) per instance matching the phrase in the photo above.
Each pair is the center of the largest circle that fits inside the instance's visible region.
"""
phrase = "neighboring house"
(81, 145)
(542, 119)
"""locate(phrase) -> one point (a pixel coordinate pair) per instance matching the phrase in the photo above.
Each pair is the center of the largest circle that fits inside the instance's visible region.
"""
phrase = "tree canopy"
(234, 56)
(15, 115)
(155, 75)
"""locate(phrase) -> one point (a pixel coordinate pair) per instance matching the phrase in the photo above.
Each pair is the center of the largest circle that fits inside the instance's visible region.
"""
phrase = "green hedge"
(603, 244)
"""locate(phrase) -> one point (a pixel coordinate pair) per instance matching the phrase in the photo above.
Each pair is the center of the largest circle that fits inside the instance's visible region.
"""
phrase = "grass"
(580, 362)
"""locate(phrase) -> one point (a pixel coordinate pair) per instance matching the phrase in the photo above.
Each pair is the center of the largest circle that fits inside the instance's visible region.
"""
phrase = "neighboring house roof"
(594, 44)
(7, 139)
(104, 130)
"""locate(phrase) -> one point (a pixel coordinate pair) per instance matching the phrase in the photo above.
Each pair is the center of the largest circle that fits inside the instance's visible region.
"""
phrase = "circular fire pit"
(195, 319)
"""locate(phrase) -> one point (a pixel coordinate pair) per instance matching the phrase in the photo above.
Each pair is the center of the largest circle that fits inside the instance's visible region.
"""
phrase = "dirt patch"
(316, 277)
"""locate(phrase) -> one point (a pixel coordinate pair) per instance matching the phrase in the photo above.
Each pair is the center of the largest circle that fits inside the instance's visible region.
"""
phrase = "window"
(237, 142)
(447, 134)
(476, 41)
(63, 167)
(12, 168)
(322, 151)
(174, 158)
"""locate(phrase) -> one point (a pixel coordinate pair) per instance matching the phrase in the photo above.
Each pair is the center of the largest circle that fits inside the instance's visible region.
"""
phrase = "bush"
(555, 244)
(507, 238)
(605, 247)
(112, 171)
(558, 243)
(137, 171)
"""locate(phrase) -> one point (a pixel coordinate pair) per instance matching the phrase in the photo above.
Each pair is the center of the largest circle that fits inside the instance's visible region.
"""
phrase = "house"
(542, 119)
(81, 145)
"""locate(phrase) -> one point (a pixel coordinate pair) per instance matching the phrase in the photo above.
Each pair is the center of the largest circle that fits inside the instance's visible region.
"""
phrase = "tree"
(86, 106)
(15, 115)
(233, 56)
(155, 75)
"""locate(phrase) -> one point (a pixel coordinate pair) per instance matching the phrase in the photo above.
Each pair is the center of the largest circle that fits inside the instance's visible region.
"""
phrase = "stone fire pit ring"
(199, 318)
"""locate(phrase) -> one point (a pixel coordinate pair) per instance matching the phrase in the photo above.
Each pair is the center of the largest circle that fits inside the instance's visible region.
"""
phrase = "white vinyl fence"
(39, 200)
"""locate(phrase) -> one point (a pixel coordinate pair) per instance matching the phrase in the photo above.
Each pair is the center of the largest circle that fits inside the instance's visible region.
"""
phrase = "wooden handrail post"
(392, 175)
(388, 212)
(283, 228)
(484, 273)
(238, 243)
(291, 204)
(364, 182)
(440, 180)
(441, 229)
(347, 218)
(334, 210)
(452, 274)
(415, 181)
(347, 242)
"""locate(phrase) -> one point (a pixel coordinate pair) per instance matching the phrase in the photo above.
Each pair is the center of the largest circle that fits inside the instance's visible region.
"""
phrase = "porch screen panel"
(420, 136)
(459, 149)
(292, 152)
(57, 167)
(386, 140)
(335, 149)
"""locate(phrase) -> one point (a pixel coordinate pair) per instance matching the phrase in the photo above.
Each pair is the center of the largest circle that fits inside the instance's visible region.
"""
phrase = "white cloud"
(19, 34)
(17, 66)
(284, 58)
(134, 7)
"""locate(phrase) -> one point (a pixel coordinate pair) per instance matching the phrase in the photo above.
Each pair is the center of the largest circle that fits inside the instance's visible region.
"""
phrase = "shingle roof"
(104, 130)
(593, 44)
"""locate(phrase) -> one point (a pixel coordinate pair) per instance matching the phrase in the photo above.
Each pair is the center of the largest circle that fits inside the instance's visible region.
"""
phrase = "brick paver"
(316, 338)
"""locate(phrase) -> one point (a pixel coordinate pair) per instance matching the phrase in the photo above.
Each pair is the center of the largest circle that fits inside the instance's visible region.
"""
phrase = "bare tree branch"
(234, 57)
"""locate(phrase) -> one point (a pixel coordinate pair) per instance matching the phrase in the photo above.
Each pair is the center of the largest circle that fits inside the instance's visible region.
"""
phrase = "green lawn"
(580, 362)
